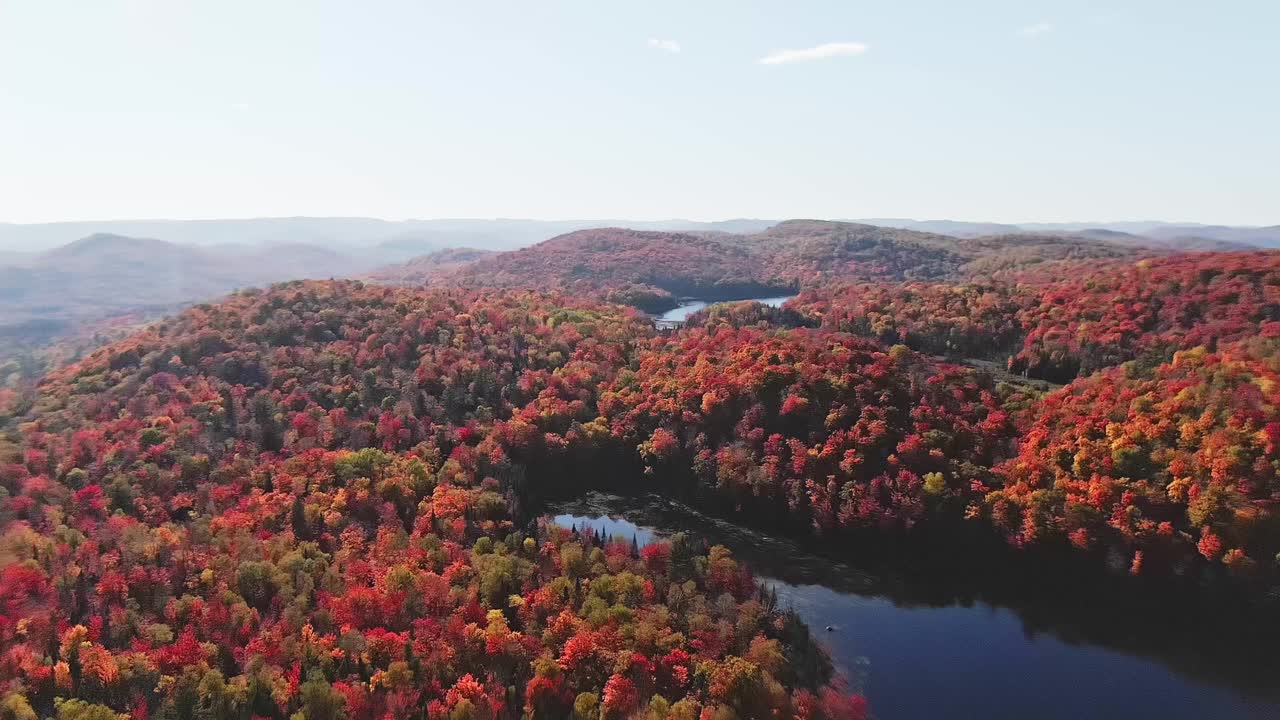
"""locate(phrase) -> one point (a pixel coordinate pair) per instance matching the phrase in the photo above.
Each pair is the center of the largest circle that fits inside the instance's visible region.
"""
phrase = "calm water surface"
(693, 306)
(961, 660)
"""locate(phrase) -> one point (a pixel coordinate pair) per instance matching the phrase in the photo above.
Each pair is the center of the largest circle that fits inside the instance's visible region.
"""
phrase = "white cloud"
(782, 57)
(1039, 28)
(670, 46)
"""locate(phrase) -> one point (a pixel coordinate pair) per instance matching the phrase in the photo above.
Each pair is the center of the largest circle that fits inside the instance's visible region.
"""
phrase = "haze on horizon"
(986, 111)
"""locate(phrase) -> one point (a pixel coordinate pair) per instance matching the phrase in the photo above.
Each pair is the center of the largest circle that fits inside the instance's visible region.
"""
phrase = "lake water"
(955, 659)
(678, 314)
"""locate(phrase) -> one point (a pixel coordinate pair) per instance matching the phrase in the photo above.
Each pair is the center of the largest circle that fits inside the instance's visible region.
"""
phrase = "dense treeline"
(1147, 310)
(293, 504)
(649, 270)
(839, 431)
(1058, 323)
(310, 499)
(846, 433)
(367, 584)
(652, 270)
(961, 320)
(1160, 464)
(813, 252)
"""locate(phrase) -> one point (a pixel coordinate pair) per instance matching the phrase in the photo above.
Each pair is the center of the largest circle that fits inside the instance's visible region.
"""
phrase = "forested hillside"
(647, 269)
(422, 268)
(66, 301)
(320, 498)
(298, 501)
(653, 270)
(1057, 324)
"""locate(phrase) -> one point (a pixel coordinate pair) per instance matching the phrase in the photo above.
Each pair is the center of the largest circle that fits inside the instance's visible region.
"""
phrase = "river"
(952, 655)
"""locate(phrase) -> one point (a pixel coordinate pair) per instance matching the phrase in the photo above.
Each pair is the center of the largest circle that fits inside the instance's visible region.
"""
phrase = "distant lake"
(957, 658)
(678, 314)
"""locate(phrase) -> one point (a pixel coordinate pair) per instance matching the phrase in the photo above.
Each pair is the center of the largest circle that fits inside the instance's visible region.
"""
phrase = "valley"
(1055, 640)
(639, 361)
(1047, 459)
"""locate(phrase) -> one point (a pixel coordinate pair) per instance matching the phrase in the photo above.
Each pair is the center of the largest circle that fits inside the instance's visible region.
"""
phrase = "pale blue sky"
(978, 110)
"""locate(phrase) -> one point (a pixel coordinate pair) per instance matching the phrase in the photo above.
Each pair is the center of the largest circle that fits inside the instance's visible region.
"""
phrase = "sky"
(1008, 111)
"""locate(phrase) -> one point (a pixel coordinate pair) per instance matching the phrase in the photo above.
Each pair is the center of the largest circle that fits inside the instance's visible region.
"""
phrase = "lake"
(953, 657)
(689, 307)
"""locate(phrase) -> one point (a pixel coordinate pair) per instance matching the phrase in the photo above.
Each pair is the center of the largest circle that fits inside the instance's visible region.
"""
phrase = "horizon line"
(605, 219)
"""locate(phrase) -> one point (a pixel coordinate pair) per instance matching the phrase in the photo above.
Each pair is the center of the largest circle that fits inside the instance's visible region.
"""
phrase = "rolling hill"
(58, 303)
(651, 270)
(424, 267)
(383, 237)
(678, 264)
(103, 273)
(54, 297)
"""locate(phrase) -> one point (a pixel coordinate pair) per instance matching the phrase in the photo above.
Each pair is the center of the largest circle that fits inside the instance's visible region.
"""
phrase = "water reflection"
(679, 314)
(608, 527)
(923, 648)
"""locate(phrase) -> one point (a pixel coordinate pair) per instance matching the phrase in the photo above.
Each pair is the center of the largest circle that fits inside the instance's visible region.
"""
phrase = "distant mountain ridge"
(103, 273)
(397, 241)
(1181, 236)
(420, 236)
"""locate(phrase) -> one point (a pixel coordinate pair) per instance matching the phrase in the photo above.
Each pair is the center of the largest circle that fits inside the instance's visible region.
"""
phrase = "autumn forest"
(325, 498)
